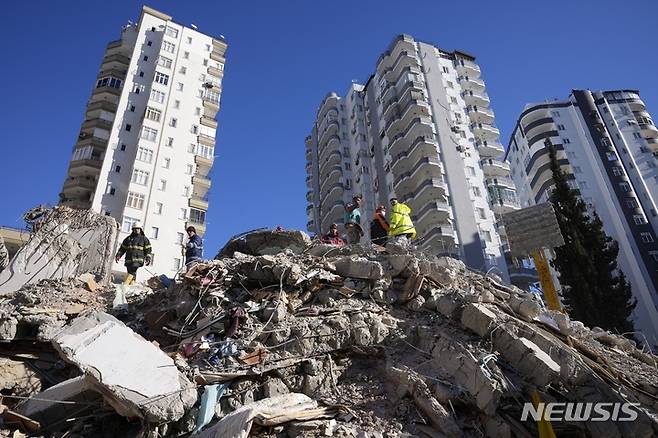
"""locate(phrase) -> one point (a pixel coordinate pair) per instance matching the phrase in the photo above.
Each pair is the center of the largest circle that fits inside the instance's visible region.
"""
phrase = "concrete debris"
(283, 337)
(65, 243)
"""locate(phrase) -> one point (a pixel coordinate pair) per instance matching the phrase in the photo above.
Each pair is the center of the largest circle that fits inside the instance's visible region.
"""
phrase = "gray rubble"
(308, 340)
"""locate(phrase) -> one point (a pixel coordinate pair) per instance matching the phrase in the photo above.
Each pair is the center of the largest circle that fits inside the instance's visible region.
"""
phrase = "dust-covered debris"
(284, 337)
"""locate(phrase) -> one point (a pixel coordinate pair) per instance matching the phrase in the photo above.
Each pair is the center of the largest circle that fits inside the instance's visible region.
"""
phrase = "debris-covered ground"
(283, 337)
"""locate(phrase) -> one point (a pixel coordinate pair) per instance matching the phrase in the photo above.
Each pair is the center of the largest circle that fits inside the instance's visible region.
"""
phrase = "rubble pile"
(280, 336)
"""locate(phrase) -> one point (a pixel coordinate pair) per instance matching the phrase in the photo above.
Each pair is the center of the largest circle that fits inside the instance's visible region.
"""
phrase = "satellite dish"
(193, 26)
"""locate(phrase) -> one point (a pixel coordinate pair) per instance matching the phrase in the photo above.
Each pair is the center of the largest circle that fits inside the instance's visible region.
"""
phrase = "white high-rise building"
(607, 144)
(420, 129)
(147, 141)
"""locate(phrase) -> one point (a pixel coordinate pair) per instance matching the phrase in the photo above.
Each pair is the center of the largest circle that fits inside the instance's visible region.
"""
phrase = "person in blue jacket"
(193, 248)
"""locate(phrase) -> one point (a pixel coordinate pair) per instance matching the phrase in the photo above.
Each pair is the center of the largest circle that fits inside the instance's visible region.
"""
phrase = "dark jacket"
(137, 249)
(378, 229)
(194, 249)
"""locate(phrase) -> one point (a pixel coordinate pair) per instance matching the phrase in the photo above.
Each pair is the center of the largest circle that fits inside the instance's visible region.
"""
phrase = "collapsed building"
(281, 336)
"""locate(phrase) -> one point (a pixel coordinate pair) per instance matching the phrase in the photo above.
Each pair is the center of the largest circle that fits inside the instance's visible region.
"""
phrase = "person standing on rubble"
(137, 249)
(353, 220)
(332, 237)
(400, 223)
(4, 255)
(193, 248)
(379, 226)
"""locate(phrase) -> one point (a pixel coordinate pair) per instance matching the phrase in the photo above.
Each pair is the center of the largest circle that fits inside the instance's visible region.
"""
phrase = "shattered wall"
(65, 243)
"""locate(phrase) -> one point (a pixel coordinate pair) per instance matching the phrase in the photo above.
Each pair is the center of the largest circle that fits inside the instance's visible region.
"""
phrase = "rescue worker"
(332, 237)
(379, 226)
(353, 220)
(137, 249)
(193, 248)
(400, 221)
(4, 255)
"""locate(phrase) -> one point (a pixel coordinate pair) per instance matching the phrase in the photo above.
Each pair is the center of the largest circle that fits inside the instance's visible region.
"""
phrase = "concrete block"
(448, 306)
(135, 377)
(478, 318)
(359, 267)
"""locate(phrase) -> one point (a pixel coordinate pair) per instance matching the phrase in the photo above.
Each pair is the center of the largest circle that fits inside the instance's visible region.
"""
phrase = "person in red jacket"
(332, 237)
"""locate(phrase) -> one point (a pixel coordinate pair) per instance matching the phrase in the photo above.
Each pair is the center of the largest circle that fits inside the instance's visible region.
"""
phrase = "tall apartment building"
(420, 129)
(607, 144)
(147, 141)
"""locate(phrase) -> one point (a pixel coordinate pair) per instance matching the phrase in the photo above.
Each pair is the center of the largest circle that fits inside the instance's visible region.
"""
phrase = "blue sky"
(283, 57)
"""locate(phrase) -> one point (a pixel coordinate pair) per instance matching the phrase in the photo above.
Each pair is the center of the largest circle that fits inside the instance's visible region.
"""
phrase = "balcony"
(419, 127)
(404, 59)
(469, 83)
(501, 182)
(326, 149)
(431, 189)
(107, 90)
(212, 106)
(203, 164)
(332, 176)
(421, 147)
(309, 196)
(85, 167)
(332, 160)
(201, 185)
(431, 214)
(408, 92)
(78, 184)
(467, 68)
(440, 240)
(206, 140)
(413, 109)
(480, 114)
(330, 102)
(333, 194)
(502, 206)
(476, 98)
(309, 182)
(213, 71)
(209, 122)
(489, 149)
(494, 168)
(426, 168)
(648, 130)
(217, 56)
(404, 44)
(484, 131)
(310, 226)
(89, 125)
(102, 105)
(199, 202)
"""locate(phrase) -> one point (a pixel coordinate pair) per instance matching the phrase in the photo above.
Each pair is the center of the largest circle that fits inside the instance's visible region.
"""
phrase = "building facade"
(147, 141)
(426, 135)
(607, 144)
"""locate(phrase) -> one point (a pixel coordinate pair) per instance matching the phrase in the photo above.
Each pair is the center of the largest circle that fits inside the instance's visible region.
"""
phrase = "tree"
(595, 291)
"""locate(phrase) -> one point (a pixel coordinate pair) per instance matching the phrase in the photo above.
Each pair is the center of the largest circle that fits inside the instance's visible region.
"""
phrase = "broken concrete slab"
(267, 242)
(17, 378)
(66, 243)
(137, 378)
(359, 267)
(478, 318)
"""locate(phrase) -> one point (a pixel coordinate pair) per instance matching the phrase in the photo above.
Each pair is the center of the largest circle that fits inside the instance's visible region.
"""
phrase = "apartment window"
(202, 77)
(205, 63)
(624, 187)
(577, 169)
(566, 141)
(617, 171)
(348, 166)
(165, 62)
(195, 129)
(170, 141)
(166, 162)
(197, 111)
(144, 154)
(646, 237)
(135, 200)
(173, 122)
(481, 213)
(179, 237)
(450, 85)
(183, 70)
(445, 69)
(560, 127)
(189, 40)
(190, 169)
(637, 135)
(123, 147)
(158, 208)
(170, 31)
(137, 88)
(555, 113)
(470, 170)
(191, 148)
(453, 100)
(163, 185)
(155, 231)
(213, 96)
(157, 96)
(109, 81)
(179, 86)
(161, 78)
(477, 191)
(197, 216)
(117, 169)
(639, 219)
(186, 55)
(208, 48)
(168, 47)
(176, 104)
(149, 133)
(631, 203)
(146, 58)
(611, 156)
(149, 43)
(571, 154)
(583, 184)
(112, 191)
(132, 108)
(128, 126)
(127, 224)
(140, 177)
(182, 214)
(153, 114)
(177, 264)
(141, 74)
(186, 191)
(487, 236)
